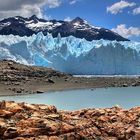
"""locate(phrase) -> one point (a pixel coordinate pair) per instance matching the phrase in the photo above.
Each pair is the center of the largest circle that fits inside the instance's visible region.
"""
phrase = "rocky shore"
(22, 121)
(17, 79)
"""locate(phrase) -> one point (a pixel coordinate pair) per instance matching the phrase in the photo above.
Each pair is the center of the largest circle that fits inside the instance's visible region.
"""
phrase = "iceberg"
(73, 55)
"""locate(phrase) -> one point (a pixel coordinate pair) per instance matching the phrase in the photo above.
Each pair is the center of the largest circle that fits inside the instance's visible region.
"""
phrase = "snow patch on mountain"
(42, 25)
(73, 55)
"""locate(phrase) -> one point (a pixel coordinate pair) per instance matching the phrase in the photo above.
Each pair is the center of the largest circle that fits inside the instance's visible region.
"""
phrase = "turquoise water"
(88, 98)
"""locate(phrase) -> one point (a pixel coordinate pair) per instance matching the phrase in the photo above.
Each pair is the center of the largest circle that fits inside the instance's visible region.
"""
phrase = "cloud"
(67, 19)
(25, 8)
(126, 32)
(119, 6)
(136, 11)
(73, 2)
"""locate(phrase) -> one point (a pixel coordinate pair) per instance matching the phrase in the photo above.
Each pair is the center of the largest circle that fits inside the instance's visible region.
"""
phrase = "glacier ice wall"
(72, 55)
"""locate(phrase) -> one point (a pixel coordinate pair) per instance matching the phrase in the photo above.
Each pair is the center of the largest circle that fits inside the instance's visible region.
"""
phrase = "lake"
(88, 98)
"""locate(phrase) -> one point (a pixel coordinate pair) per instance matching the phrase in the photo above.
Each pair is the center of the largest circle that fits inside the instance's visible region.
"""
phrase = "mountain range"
(77, 27)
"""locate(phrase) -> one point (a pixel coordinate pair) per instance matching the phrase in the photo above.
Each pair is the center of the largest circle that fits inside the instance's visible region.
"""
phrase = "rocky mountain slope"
(22, 121)
(12, 71)
(77, 27)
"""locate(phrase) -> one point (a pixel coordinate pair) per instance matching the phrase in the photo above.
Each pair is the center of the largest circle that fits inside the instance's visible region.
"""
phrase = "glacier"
(73, 55)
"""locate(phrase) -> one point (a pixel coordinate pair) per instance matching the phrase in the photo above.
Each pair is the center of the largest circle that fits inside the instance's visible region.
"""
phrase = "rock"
(125, 85)
(10, 133)
(19, 91)
(51, 81)
(54, 138)
(4, 113)
(3, 128)
(137, 134)
(22, 121)
(133, 85)
(20, 138)
(39, 91)
(136, 84)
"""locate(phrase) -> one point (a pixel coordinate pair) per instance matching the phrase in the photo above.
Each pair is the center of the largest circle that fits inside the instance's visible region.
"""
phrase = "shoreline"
(18, 79)
(5, 94)
(107, 76)
(74, 83)
(53, 91)
(54, 88)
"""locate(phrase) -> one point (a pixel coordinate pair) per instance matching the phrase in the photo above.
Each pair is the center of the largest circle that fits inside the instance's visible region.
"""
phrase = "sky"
(121, 16)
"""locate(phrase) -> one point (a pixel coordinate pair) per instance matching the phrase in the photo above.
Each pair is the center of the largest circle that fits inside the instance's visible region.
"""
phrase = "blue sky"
(96, 13)
(121, 16)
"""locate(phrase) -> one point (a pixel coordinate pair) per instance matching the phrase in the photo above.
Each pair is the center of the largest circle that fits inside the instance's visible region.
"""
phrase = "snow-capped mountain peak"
(77, 27)
(78, 20)
(33, 17)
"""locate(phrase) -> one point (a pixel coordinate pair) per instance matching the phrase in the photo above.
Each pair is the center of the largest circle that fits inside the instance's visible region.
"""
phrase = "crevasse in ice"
(73, 55)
